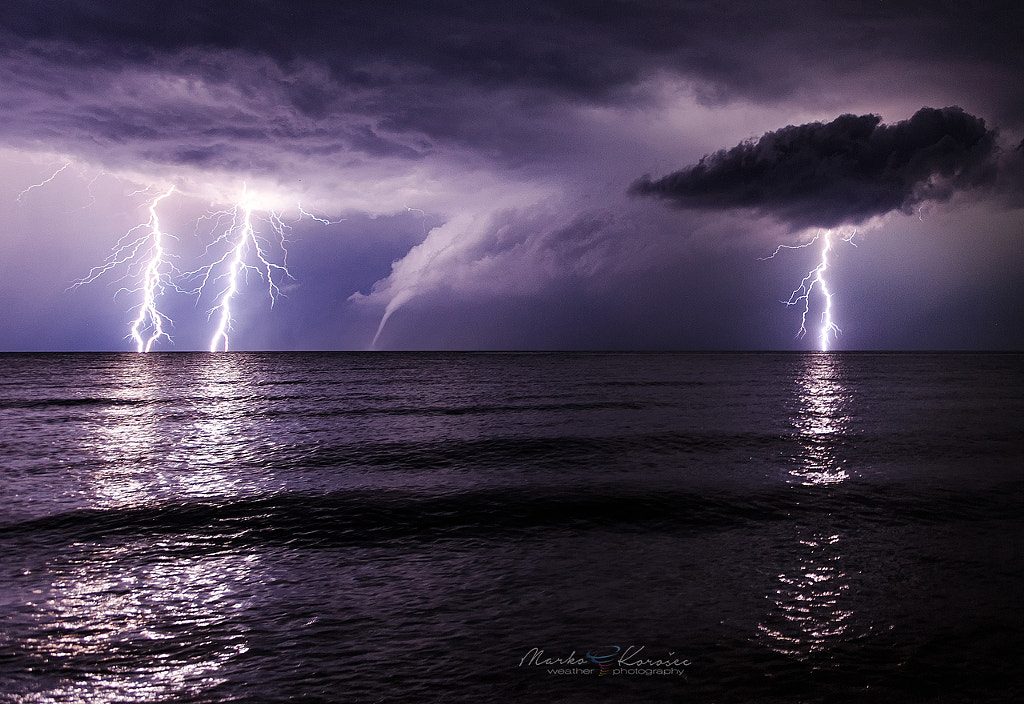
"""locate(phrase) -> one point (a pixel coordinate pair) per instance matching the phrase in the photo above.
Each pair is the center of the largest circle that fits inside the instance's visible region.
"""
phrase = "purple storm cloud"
(474, 161)
(842, 172)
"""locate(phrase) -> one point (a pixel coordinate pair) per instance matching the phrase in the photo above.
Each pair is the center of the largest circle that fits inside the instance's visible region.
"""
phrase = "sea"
(511, 527)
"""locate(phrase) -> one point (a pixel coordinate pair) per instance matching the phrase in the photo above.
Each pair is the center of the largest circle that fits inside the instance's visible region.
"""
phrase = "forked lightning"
(141, 250)
(815, 279)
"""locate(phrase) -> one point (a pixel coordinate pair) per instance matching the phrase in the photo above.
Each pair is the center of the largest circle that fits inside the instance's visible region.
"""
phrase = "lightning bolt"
(815, 280)
(311, 216)
(238, 247)
(55, 174)
(143, 244)
(154, 277)
(245, 252)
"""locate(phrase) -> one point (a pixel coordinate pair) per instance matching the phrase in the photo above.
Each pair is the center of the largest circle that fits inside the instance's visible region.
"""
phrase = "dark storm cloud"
(401, 76)
(842, 172)
(486, 43)
(575, 45)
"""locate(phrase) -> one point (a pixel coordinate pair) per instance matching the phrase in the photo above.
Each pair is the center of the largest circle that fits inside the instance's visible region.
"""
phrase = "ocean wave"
(368, 515)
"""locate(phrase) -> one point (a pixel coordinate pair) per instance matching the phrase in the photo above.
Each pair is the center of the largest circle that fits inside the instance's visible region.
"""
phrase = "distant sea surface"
(511, 527)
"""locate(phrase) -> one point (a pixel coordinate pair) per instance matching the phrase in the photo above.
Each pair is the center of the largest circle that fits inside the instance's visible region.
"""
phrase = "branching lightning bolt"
(143, 244)
(55, 174)
(311, 216)
(246, 251)
(237, 250)
(815, 279)
(155, 277)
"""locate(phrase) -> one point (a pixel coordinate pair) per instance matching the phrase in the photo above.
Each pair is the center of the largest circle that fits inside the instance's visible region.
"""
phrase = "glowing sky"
(519, 174)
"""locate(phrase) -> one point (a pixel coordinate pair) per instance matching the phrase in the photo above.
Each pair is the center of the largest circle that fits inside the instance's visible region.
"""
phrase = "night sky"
(517, 175)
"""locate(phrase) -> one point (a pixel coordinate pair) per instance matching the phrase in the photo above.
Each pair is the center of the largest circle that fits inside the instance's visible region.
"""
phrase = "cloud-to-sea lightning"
(148, 326)
(816, 279)
(857, 168)
(142, 249)
(237, 249)
(245, 252)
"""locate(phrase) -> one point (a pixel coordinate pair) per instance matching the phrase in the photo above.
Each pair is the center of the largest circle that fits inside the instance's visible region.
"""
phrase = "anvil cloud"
(480, 156)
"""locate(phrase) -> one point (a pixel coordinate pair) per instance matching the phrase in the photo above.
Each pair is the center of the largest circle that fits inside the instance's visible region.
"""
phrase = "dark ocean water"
(470, 527)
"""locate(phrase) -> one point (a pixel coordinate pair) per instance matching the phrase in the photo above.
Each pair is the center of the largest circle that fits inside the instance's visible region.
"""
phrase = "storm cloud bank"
(841, 172)
(473, 159)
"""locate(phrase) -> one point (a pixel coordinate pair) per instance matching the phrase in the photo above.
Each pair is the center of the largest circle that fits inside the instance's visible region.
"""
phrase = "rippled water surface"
(498, 527)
